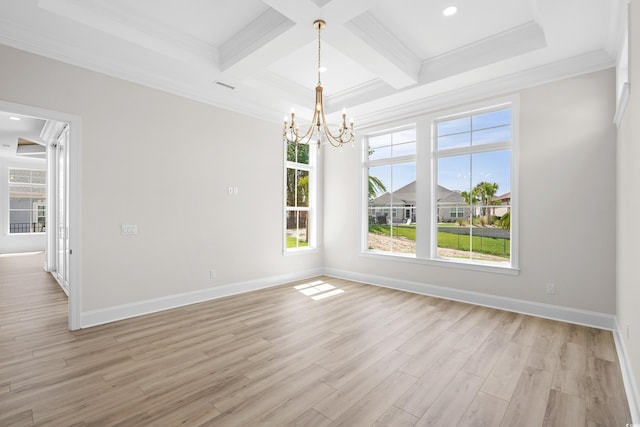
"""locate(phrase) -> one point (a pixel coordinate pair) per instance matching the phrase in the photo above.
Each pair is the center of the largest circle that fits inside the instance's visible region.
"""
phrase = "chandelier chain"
(319, 29)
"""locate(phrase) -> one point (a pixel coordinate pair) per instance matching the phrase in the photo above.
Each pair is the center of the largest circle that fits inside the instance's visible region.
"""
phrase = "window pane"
(396, 144)
(453, 141)
(27, 201)
(298, 153)
(379, 141)
(297, 229)
(454, 126)
(38, 177)
(495, 118)
(391, 211)
(303, 154)
(379, 153)
(407, 135)
(488, 136)
(297, 187)
(20, 176)
(405, 149)
(469, 193)
(454, 174)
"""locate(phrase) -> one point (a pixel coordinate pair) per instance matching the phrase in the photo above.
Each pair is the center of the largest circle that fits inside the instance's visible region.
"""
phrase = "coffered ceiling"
(259, 56)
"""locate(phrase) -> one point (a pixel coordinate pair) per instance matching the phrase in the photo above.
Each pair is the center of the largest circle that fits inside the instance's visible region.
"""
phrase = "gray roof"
(407, 196)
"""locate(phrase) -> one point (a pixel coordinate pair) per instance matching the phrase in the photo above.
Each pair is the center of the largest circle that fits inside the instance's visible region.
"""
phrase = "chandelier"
(318, 127)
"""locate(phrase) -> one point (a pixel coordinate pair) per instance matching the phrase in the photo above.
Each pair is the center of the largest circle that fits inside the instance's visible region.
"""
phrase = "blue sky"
(459, 173)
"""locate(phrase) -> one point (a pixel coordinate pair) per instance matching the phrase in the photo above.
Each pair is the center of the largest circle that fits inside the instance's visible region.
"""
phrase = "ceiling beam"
(376, 48)
(239, 53)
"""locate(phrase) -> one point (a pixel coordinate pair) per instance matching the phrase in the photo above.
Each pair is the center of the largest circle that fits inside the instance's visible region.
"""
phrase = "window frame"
(311, 168)
(387, 161)
(31, 210)
(426, 237)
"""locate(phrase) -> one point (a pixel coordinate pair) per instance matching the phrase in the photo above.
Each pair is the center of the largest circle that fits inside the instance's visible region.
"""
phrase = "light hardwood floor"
(362, 356)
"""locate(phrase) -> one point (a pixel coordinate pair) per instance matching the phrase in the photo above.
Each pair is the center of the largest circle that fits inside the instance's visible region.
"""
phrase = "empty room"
(319, 213)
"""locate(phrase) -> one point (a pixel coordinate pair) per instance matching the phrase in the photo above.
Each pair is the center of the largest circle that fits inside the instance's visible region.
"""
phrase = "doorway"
(60, 135)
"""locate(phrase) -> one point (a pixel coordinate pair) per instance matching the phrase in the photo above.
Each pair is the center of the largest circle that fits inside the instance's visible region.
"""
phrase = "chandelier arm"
(340, 137)
(299, 139)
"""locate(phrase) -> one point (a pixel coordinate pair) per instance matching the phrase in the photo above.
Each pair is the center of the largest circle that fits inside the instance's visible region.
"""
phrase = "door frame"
(75, 263)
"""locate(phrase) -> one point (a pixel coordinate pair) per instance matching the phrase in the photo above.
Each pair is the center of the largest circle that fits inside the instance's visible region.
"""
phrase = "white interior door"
(62, 210)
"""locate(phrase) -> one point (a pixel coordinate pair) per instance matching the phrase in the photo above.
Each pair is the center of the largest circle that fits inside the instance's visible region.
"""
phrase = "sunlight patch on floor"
(318, 290)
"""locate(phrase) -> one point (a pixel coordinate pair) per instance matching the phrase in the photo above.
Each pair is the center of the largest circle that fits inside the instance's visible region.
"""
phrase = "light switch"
(129, 229)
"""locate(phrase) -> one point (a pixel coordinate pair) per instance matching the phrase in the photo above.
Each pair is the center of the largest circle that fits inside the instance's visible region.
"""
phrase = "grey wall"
(567, 204)
(157, 160)
(628, 212)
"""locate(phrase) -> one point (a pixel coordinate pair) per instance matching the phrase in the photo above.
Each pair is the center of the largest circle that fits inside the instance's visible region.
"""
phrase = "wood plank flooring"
(321, 352)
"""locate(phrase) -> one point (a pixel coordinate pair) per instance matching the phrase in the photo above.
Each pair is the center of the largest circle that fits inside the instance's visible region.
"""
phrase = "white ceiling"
(382, 56)
(25, 127)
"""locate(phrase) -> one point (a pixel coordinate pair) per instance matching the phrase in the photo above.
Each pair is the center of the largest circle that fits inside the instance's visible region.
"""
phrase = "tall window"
(27, 201)
(391, 176)
(300, 196)
(472, 153)
(460, 210)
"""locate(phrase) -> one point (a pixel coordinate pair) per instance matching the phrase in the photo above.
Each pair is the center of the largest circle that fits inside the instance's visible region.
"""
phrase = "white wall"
(164, 163)
(628, 213)
(17, 242)
(567, 204)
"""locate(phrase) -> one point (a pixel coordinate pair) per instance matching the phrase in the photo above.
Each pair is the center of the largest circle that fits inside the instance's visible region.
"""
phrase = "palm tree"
(470, 198)
(505, 221)
(486, 191)
(375, 187)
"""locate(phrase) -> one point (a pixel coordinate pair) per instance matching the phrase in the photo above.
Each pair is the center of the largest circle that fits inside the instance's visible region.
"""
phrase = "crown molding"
(508, 44)
(577, 65)
(130, 26)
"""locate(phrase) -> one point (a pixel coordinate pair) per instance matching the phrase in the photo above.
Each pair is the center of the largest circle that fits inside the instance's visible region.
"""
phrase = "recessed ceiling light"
(451, 10)
(14, 118)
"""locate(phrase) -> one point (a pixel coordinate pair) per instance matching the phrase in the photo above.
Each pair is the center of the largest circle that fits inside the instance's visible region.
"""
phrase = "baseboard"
(630, 384)
(565, 314)
(126, 311)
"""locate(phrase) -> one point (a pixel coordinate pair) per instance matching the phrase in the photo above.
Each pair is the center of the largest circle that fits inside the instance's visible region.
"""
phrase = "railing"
(26, 227)
(396, 214)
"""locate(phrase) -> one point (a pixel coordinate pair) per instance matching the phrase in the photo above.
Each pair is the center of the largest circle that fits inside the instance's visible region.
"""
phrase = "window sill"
(26, 234)
(446, 263)
(299, 251)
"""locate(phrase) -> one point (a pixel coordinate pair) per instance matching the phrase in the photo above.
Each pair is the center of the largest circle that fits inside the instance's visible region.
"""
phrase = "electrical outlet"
(551, 288)
(212, 274)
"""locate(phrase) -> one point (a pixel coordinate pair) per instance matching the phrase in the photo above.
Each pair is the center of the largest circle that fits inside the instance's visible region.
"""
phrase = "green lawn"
(408, 231)
(292, 242)
(484, 245)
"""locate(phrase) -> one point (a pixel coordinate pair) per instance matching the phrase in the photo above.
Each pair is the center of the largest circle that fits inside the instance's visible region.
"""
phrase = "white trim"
(442, 262)
(579, 65)
(140, 308)
(623, 100)
(547, 311)
(630, 385)
(75, 288)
